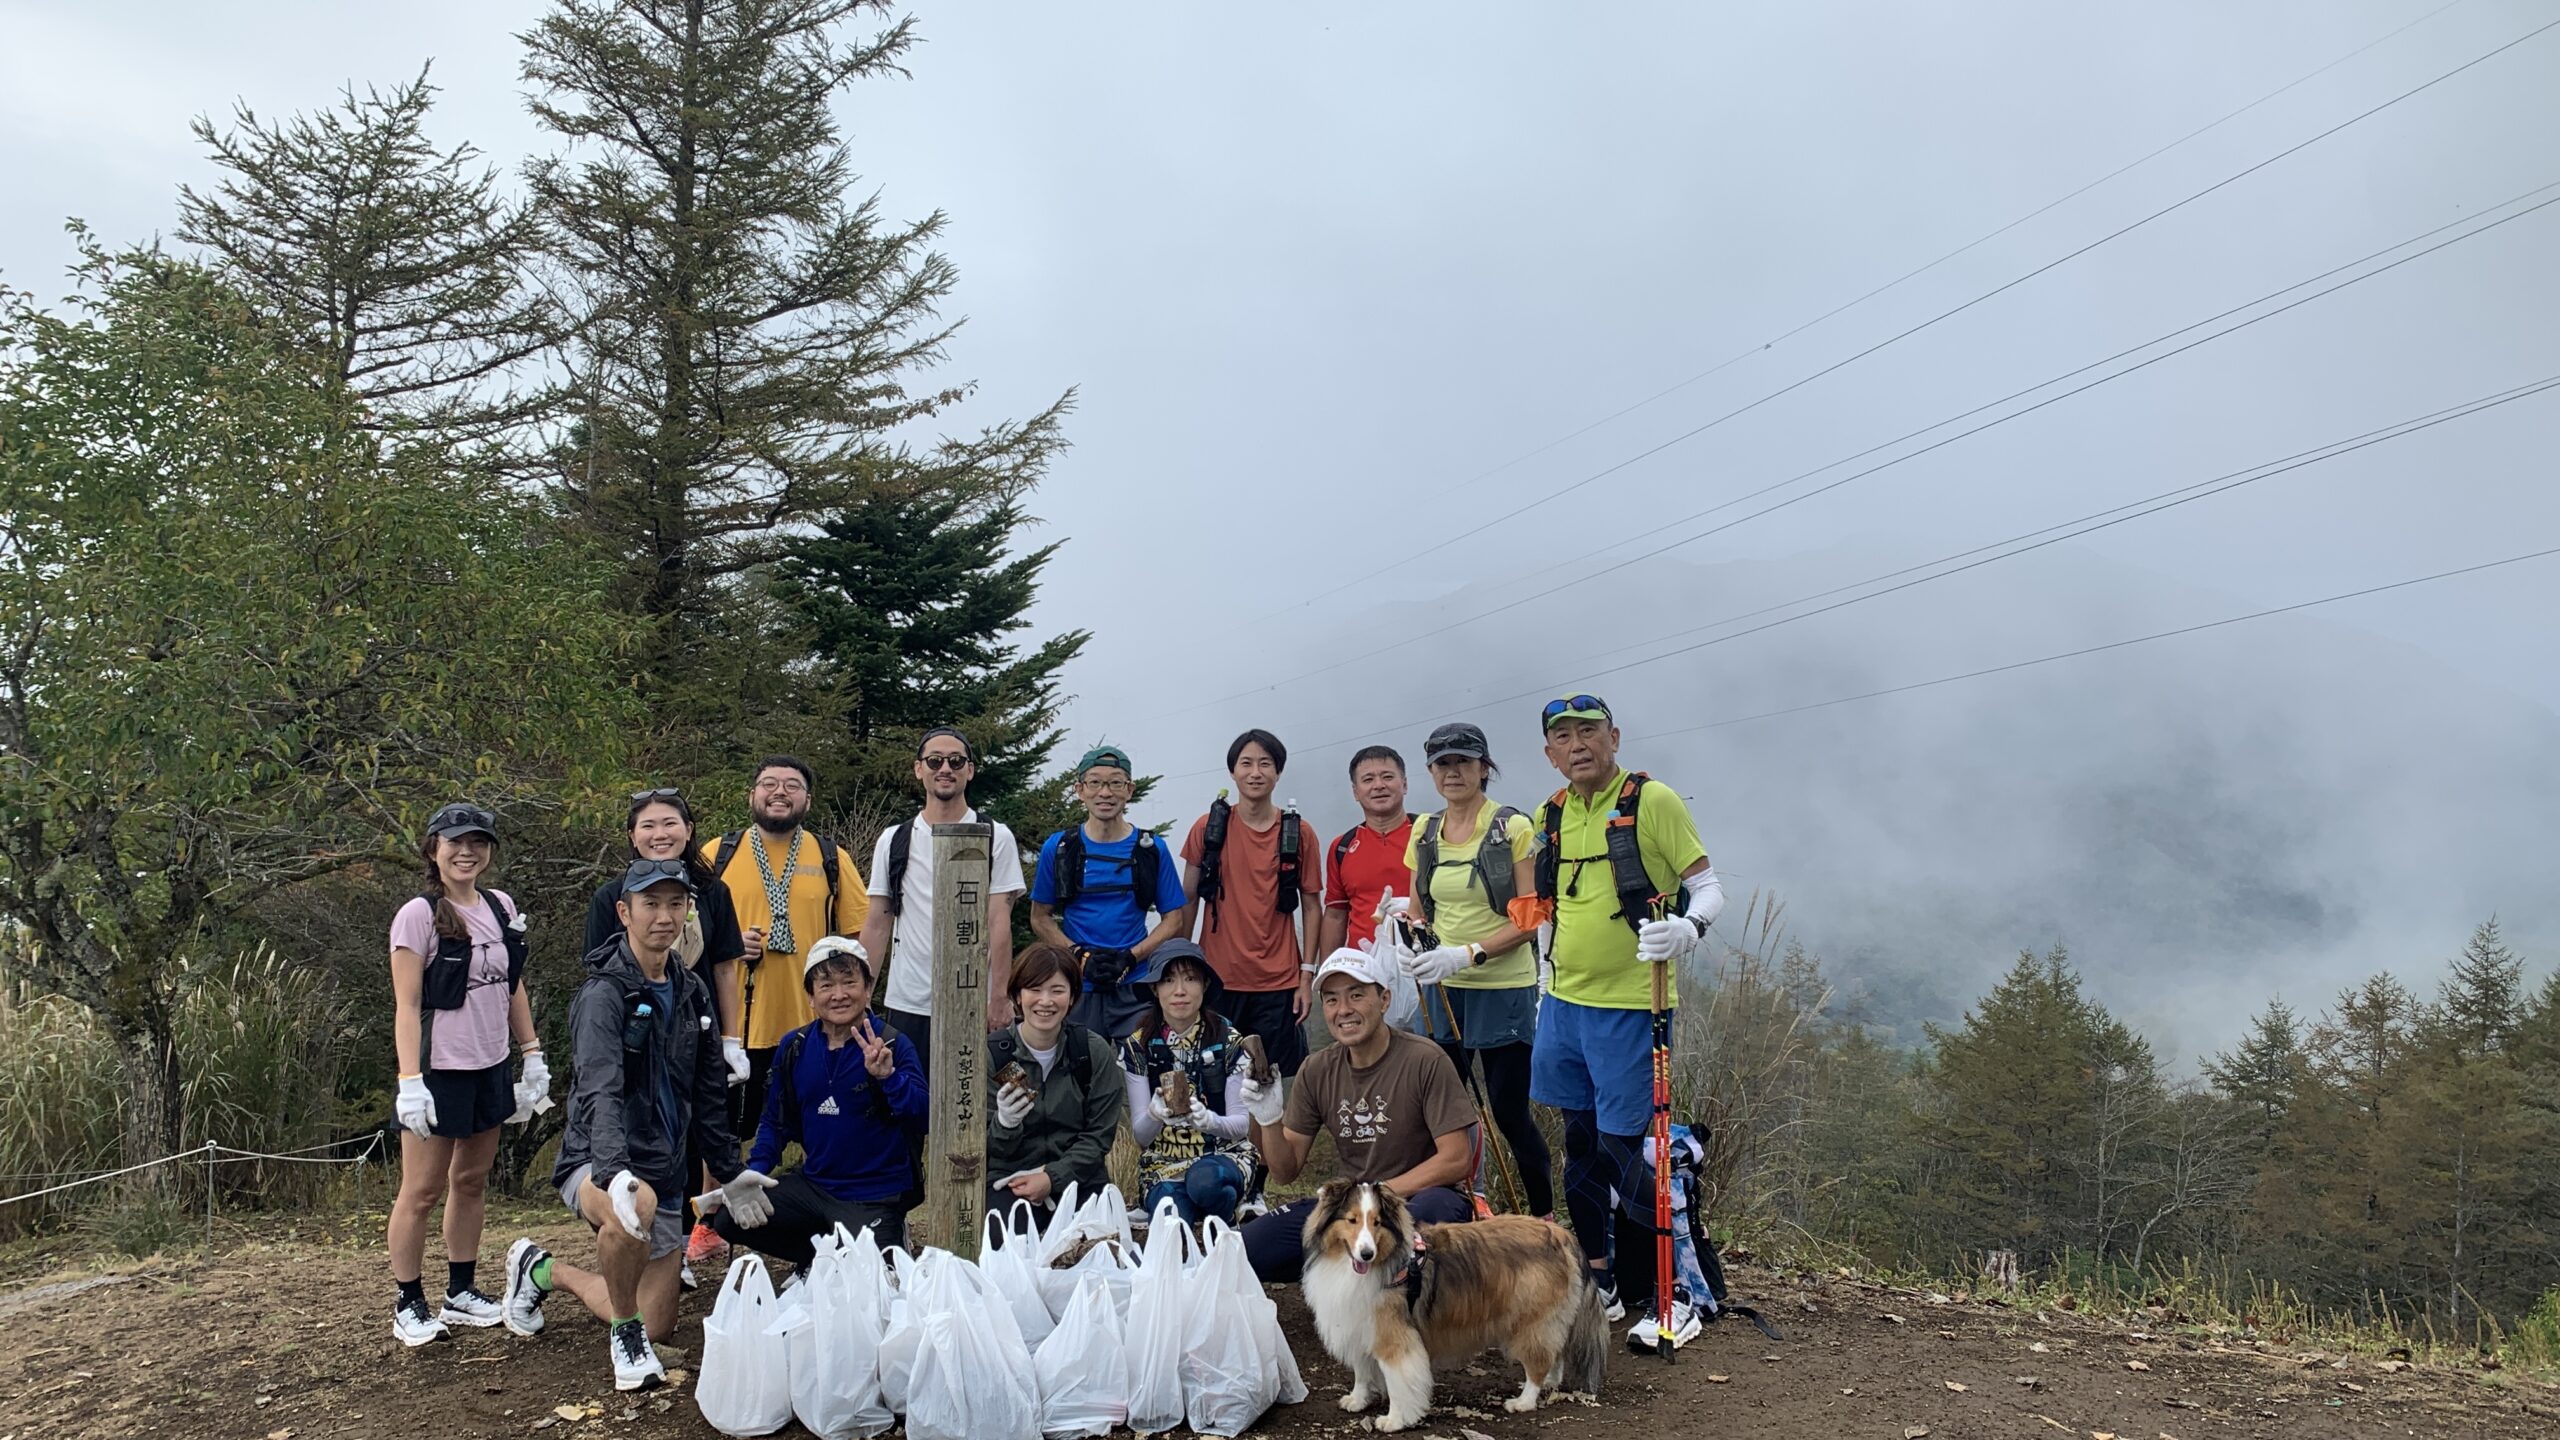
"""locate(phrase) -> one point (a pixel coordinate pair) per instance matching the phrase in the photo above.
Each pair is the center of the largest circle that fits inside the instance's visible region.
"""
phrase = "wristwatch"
(1475, 954)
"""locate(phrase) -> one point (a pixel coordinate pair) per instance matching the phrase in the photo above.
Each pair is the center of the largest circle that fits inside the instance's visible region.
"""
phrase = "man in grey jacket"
(649, 1087)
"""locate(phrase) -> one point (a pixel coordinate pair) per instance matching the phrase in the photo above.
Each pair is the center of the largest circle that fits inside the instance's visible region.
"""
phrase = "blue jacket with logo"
(852, 1129)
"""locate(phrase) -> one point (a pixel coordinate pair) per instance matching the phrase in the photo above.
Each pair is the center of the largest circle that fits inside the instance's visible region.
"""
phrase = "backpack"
(1636, 896)
(1208, 1074)
(1075, 1047)
(1145, 866)
(1499, 882)
(1213, 845)
(729, 848)
(446, 979)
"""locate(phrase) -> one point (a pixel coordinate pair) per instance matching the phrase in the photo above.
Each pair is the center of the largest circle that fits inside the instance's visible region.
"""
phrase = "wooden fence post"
(955, 1150)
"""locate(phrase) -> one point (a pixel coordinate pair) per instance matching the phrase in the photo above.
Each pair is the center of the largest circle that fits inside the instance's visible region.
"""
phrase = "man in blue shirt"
(1093, 889)
(845, 1087)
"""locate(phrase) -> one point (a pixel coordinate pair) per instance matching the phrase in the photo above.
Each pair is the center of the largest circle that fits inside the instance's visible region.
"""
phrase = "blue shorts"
(1587, 1058)
(1489, 1019)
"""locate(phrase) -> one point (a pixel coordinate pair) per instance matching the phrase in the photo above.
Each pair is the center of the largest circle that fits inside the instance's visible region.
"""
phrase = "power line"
(1896, 338)
(1975, 243)
(2101, 649)
(2036, 540)
(2477, 227)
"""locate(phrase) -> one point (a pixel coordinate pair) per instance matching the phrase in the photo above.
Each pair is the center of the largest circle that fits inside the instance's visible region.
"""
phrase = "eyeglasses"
(938, 763)
(663, 792)
(792, 786)
(1573, 702)
(1107, 787)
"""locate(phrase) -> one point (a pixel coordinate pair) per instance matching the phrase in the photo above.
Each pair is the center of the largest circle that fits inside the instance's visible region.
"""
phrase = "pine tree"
(2268, 1067)
(2480, 1004)
(753, 334)
(401, 264)
(912, 600)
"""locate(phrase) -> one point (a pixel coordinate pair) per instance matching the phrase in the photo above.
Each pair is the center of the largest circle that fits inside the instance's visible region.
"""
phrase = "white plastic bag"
(745, 1387)
(1084, 1368)
(1404, 997)
(973, 1379)
(1104, 1263)
(1228, 1379)
(836, 1390)
(1155, 1333)
(1279, 1362)
(1009, 1255)
(902, 1335)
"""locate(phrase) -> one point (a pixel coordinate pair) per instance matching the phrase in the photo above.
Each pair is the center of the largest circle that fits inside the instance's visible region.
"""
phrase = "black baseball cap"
(642, 874)
(1456, 738)
(462, 818)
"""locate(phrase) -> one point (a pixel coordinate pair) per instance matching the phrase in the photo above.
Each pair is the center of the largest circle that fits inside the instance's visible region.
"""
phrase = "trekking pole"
(1663, 1261)
(1504, 1171)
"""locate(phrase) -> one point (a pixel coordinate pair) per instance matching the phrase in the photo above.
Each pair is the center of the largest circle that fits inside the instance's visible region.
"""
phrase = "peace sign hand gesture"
(879, 1057)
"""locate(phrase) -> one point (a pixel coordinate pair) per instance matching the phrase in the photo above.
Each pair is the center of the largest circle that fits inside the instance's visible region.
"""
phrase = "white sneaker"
(1646, 1337)
(413, 1325)
(522, 1307)
(635, 1363)
(471, 1308)
(684, 1276)
(1611, 1307)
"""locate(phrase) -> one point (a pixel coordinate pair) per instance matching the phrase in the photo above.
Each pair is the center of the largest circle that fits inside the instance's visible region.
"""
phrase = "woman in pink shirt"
(457, 986)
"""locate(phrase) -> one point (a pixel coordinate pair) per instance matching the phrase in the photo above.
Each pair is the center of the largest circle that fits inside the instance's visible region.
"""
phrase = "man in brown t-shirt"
(1397, 1111)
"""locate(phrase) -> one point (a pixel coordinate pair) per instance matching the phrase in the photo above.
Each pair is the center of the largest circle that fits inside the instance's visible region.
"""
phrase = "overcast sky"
(1316, 268)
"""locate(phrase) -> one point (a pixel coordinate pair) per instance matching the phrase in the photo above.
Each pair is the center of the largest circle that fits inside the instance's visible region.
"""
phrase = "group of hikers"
(1167, 987)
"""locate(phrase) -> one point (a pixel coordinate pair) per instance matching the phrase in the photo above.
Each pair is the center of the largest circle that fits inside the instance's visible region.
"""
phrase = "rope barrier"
(213, 1153)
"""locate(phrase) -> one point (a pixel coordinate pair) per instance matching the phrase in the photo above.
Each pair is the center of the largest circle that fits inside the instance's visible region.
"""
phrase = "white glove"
(1157, 1108)
(1262, 1101)
(1200, 1115)
(1013, 1106)
(1666, 941)
(745, 1198)
(624, 1192)
(734, 1050)
(1430, 967)
(1391, 905)
(414, 1108)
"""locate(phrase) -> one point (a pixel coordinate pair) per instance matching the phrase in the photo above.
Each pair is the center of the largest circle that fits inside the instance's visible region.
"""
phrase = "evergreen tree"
(754, 337)
(2480, 1004)
(400, 264)
(2267, 1068)
(912, 600)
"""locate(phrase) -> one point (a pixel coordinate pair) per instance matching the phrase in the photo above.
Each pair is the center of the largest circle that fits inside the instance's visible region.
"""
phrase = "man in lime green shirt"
(1617, 911)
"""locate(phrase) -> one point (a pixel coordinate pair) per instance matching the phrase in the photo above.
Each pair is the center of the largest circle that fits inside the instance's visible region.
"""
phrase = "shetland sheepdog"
(1390, 1298)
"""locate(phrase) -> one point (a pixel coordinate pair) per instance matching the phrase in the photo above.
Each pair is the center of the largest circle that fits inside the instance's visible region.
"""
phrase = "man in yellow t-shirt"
(792, 889)
(1613, 924)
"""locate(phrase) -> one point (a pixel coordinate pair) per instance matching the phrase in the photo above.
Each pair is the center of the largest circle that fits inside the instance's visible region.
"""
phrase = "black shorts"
(471, 1101)
(1270, 1014)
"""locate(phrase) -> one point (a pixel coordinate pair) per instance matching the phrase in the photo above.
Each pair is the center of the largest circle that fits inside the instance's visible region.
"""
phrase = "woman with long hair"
(457, 987)
(1480, 995)
(659, 825)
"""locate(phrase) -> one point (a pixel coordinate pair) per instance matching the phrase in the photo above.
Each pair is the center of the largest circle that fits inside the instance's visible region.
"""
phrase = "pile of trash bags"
(1077, 1330)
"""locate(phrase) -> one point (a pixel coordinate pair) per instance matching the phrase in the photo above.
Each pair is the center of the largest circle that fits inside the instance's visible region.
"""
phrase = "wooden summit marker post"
(955, 1149)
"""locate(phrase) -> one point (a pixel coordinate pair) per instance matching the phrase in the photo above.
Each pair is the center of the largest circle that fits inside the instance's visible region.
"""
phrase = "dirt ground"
(283, 1334)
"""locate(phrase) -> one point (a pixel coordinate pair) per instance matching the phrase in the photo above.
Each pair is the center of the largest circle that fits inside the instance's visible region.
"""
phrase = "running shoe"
(1610, 1305)
(522, 1307)
(471, 1308)
(1646, 1337)
(635, 1363)
(413, 1324)
(704, 1245)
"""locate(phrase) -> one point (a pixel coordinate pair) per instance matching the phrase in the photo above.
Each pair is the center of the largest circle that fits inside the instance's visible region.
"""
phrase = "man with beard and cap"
(792, 889)
(1093, 889)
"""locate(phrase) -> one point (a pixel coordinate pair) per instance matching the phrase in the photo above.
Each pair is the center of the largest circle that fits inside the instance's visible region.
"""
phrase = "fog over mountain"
(2274, 808)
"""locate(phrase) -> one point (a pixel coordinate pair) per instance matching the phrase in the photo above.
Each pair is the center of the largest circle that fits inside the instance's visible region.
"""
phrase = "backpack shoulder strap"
(1293, 837)
(827, 861)
(901, 845)
(1341, 848)
(728, 853)
(1146, 868)
(1077, 1042)
(1426, 859)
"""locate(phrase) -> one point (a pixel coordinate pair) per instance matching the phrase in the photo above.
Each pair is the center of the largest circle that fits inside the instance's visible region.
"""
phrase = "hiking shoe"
(413, 1325)
(635, 1364)
(684, 1276)
(1646, 1337)
(470, 1307)
(1611, 1306)
(704, 1245)
(522, 1307)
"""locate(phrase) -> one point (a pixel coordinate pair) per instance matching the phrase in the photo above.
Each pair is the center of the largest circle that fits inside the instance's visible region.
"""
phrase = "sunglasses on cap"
(641, 874)
(663, 792)
(1570, 703)
(459, 819)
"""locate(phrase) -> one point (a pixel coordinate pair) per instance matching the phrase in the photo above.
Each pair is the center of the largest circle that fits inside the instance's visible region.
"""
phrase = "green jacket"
(1072, 1122)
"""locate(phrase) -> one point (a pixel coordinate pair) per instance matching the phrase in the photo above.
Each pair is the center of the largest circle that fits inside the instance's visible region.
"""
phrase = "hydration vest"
(1145, 866)
(1499, 881)
(1213, 844)
(1638, 901)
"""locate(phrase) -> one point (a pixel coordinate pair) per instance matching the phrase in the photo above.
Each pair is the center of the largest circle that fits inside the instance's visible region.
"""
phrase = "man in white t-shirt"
(902, 928)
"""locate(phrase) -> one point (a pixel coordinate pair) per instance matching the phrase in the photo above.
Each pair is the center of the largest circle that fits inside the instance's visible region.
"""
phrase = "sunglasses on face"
(940, 763)
(1573, 702)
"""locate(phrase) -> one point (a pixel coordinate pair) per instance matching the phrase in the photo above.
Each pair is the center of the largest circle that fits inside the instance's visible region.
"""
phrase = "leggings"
(1595, 1165)
(1506, 1092)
